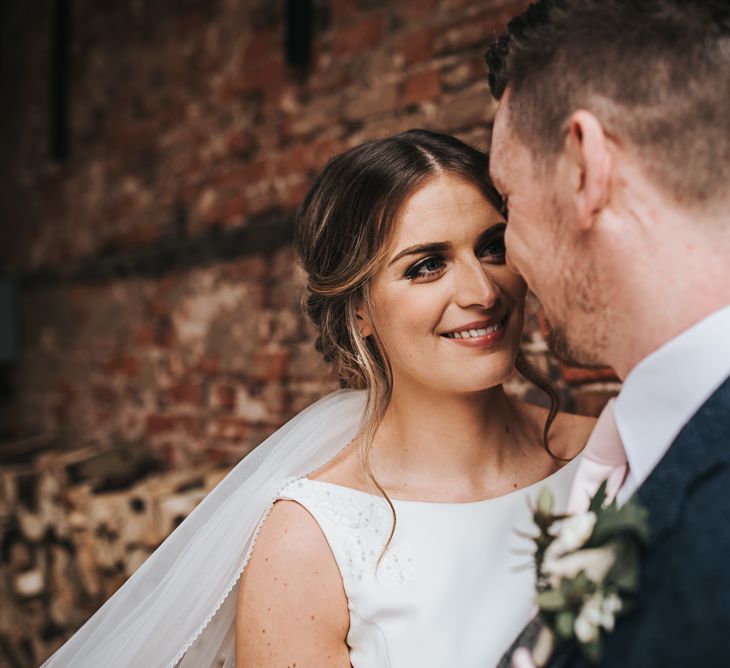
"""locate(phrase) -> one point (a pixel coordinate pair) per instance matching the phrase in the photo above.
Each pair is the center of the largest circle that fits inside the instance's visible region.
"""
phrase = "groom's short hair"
(655, 72)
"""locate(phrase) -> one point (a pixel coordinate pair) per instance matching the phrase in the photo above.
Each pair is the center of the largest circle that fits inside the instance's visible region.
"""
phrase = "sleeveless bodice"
(454, 587)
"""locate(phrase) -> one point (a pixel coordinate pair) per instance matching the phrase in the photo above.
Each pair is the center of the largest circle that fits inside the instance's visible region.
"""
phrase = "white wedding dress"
(454, 588)
(460, 602)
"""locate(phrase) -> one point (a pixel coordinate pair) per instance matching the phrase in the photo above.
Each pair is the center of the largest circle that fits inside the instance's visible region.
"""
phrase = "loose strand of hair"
(545, 384)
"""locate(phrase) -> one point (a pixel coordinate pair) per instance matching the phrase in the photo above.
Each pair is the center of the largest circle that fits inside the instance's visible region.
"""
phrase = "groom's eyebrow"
(417, 249)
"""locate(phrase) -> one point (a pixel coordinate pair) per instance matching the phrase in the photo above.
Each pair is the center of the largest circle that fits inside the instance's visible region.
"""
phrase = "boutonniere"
(587, 567)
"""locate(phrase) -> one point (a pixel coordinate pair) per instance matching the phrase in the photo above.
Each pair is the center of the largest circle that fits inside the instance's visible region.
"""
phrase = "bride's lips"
(480, 334)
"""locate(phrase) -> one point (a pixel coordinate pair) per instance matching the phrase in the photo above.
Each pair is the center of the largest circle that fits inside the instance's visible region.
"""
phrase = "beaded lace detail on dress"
(366, 521)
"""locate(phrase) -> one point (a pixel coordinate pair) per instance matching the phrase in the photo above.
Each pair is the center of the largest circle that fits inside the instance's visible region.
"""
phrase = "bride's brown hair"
(343, 232)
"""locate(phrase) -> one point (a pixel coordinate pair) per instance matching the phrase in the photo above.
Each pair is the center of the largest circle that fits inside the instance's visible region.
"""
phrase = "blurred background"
(152, 156)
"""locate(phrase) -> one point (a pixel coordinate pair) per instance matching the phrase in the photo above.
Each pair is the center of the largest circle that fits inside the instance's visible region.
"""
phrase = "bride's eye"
(429, 267)
(493, 248)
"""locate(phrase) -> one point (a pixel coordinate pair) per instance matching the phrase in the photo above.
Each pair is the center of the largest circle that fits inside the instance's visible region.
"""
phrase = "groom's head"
(611, 112)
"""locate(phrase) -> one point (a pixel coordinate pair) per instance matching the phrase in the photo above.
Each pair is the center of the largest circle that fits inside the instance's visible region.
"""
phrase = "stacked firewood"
(74, 525)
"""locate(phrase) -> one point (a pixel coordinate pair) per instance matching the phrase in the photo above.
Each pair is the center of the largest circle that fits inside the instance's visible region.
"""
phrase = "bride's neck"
(445, 437)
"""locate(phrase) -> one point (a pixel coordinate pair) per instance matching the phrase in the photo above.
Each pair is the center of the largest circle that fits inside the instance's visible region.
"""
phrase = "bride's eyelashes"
(491, 249)
(426, 269)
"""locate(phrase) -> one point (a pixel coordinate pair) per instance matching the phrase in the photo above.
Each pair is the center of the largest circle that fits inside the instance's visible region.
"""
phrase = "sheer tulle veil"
(178, 609)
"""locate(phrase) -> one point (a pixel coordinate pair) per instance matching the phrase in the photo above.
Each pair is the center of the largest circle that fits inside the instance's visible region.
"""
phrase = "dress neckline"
(459, 504)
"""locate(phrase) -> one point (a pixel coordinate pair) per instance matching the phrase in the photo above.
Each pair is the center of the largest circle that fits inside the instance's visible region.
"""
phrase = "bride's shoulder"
(290, 540)
(291, 574)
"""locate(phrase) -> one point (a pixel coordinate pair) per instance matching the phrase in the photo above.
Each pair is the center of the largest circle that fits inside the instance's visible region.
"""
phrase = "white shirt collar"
(663, 391)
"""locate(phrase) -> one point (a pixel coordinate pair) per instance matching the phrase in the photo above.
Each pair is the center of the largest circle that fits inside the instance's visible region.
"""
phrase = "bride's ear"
(364, 323)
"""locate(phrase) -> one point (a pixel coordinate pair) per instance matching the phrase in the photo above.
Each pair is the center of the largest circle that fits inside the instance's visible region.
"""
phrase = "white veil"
(177, 609)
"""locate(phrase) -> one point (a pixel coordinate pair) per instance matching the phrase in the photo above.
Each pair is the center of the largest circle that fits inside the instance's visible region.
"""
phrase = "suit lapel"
(701, 446)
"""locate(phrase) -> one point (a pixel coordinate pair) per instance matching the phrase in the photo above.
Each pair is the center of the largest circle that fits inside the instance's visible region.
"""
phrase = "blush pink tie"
(603, 458)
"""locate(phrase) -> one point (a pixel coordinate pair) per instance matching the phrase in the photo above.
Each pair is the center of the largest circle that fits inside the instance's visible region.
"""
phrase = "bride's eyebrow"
(433, 247)
(443, 246)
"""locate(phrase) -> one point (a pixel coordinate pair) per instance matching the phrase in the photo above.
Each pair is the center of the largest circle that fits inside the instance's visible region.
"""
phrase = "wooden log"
(29, 583)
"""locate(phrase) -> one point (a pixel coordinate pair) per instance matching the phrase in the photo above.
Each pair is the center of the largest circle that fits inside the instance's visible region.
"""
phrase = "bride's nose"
(474, 286)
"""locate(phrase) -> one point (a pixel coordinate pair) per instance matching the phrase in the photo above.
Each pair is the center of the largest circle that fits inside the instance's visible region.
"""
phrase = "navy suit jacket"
(683, 618)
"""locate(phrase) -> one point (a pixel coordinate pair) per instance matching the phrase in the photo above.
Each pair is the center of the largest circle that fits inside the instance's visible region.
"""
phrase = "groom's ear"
(589, 163)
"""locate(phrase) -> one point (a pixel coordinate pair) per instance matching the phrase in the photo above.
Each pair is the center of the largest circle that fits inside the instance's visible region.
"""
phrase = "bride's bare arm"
(291, 607)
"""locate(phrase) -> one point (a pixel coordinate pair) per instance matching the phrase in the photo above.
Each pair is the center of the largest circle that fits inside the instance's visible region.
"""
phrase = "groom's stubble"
(578, 327)
(571, 347)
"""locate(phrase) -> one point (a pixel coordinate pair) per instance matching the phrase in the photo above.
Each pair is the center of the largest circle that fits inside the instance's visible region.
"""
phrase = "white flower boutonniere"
(588, 567)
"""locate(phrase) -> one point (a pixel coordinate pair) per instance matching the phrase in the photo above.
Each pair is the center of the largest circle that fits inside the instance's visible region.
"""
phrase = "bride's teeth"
(469, 333)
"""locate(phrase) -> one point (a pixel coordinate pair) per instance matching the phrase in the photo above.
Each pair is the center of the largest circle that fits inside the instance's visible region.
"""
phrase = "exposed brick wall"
(159, 295)
(187, 126)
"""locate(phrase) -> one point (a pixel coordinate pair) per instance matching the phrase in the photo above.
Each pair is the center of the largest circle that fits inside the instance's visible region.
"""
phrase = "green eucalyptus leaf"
(545, 501)
(631, 519)
(626, 571)
(578, 587)
(551, 600)
(599, 498)
(564, 624)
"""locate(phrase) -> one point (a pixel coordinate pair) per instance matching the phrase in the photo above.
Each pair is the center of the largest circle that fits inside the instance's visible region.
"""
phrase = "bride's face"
(445, 306)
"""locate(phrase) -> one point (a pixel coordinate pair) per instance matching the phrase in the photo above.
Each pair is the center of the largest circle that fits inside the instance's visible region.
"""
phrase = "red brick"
(223, 397)
(185, 393)
(261, 76)
(342, 10)
(294, 195)
(227, 428)
(208, 364)
(417, 46)
(324, 149)
(161, 423)
(360, 36)
(269, 365)
(251, 269)
(240, 143)
(238, 176)
(421, 86)
(165, 335)
(234, 207)
(292, 160)
(122, 365)
(591, 402)
(103, 394)
(463, 73)
(472, 31)
(262, 44)
(577, 375)
(302, 158)
(412, 10)
(144, 335)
